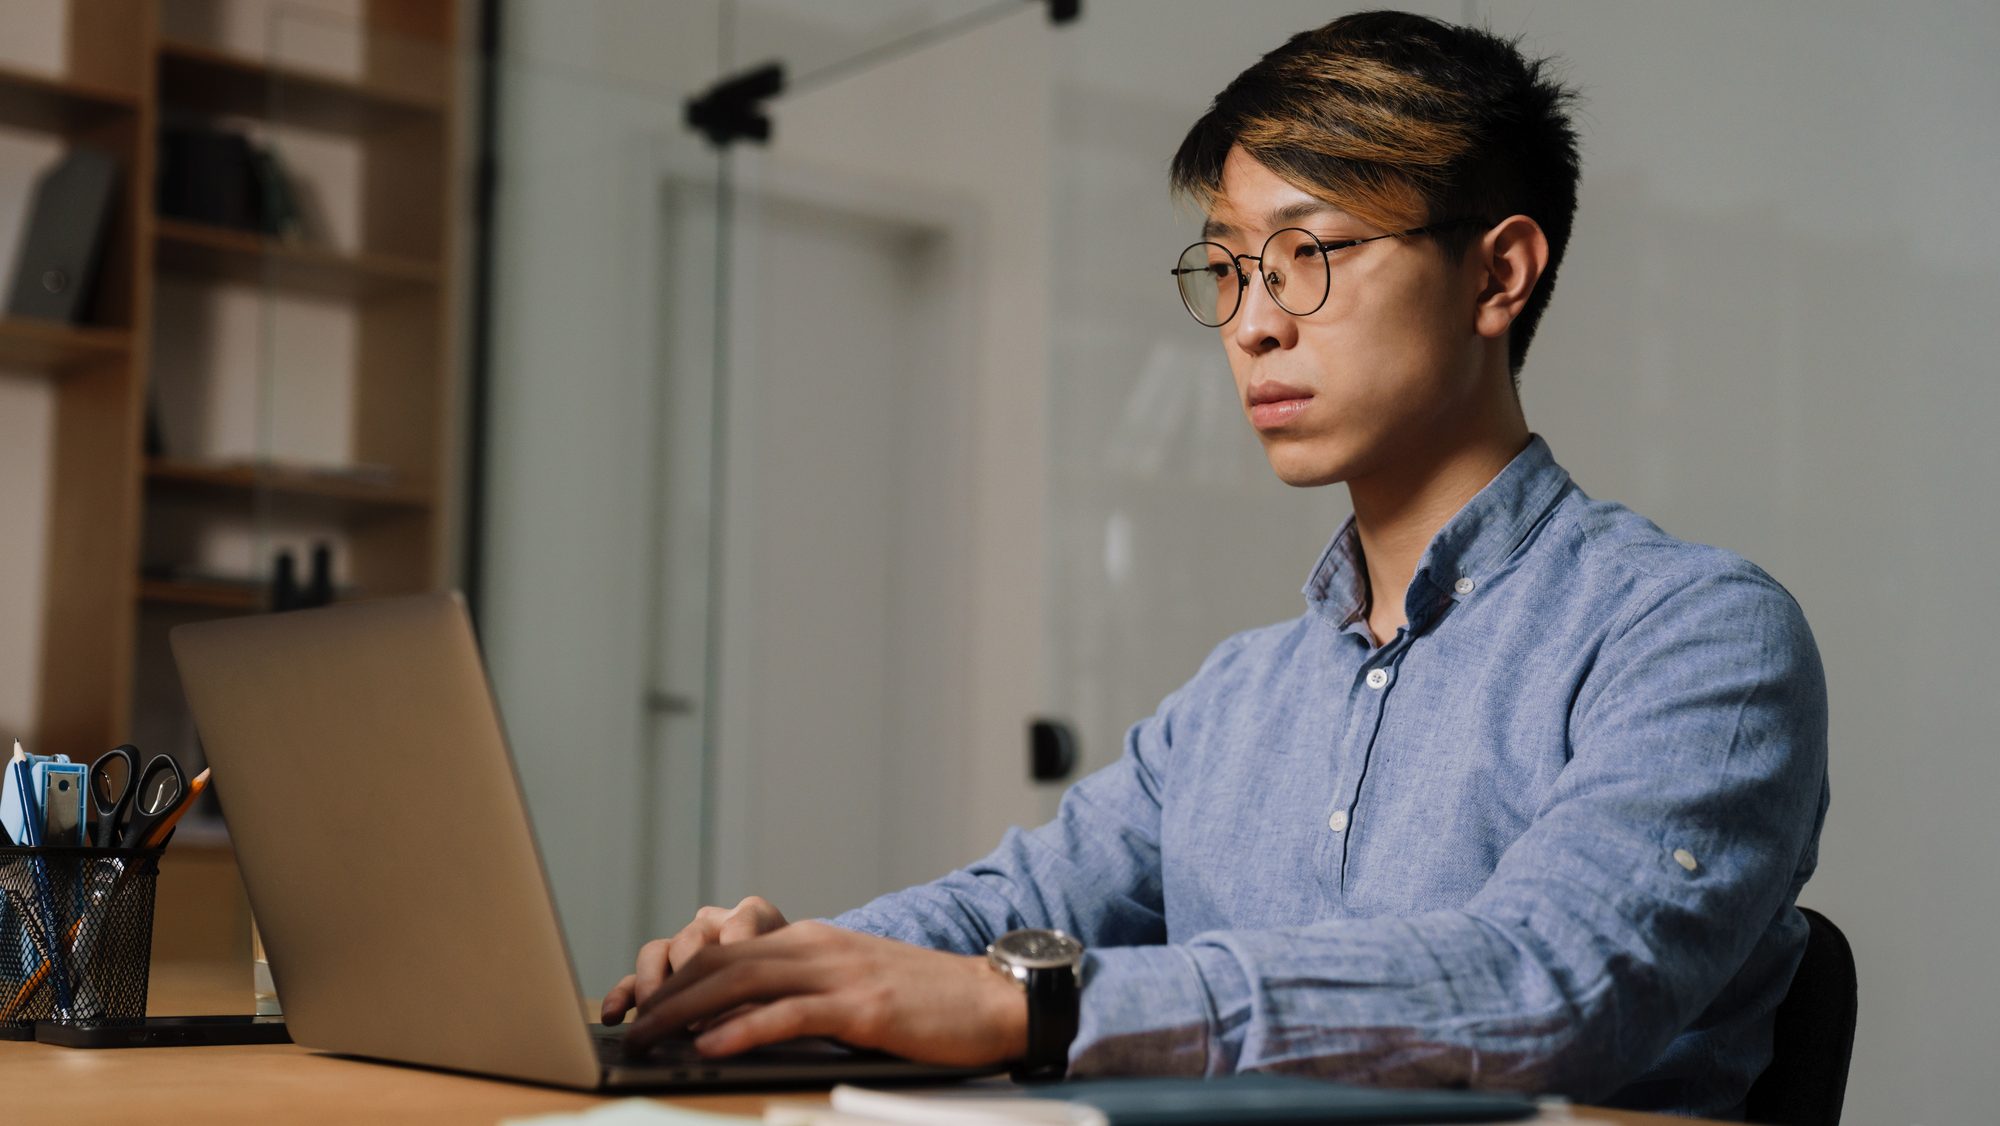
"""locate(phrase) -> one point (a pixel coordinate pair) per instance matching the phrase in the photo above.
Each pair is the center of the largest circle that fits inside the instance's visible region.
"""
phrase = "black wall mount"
(733, 108)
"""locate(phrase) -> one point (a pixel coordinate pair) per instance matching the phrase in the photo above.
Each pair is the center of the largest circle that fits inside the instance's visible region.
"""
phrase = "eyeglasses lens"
(1293, 267)
(1208, 283)
(1295, 271)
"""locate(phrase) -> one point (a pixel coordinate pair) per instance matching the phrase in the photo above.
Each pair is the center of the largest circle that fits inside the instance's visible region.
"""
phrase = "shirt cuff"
(1148, 1010)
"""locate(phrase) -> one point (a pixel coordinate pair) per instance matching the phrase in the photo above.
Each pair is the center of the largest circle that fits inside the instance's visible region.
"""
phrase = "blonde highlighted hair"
(1401, 120)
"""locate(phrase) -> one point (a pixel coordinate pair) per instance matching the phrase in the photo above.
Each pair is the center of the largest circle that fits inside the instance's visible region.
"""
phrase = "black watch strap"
(1052, 1016)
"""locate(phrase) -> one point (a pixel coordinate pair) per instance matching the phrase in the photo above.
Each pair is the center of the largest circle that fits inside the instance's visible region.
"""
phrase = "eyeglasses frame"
(1326, 263)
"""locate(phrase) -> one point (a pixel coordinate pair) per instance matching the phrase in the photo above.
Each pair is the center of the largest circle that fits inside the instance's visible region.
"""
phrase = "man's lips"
(1273, 404)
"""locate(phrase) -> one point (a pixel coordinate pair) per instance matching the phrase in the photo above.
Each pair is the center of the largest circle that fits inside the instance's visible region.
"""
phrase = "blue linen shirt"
(1548, 837)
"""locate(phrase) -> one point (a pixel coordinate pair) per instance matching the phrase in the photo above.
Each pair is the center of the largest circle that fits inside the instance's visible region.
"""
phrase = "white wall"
(1775, 334)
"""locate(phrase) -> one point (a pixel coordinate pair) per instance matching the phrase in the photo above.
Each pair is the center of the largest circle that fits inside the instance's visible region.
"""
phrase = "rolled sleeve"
(1153, 1010)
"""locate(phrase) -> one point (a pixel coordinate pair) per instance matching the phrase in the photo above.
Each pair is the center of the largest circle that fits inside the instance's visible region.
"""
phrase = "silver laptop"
(379, 824)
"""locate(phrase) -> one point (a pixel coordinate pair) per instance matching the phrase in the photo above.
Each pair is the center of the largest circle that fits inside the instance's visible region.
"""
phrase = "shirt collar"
(1470, 547)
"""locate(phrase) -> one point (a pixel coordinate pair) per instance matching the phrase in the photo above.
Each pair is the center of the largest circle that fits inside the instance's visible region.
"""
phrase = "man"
(1536, 817)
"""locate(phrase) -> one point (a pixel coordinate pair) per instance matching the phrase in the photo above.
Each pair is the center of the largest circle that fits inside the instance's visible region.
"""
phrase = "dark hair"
(1401, 120)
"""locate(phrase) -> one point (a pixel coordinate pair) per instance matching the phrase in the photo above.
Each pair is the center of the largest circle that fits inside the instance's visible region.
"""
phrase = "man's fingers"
(715, 983)
(652, 969)
(785, 1019)
(690, 942)
(739, 926)
(620, 999)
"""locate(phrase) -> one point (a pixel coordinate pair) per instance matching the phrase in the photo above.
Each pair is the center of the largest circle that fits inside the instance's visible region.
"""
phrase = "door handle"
(668, 703)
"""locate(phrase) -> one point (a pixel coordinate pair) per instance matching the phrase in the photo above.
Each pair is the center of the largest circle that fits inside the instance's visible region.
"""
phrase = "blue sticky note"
(20, 798)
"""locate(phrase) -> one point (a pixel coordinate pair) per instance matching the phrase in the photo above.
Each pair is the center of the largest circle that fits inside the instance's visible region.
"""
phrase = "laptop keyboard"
(610, 1041)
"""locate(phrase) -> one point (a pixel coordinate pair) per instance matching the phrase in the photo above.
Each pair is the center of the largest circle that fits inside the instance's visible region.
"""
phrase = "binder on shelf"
(219, 177)
(57, 266)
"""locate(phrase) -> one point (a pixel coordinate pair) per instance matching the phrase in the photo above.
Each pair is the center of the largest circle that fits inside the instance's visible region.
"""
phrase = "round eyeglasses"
(1293, 265)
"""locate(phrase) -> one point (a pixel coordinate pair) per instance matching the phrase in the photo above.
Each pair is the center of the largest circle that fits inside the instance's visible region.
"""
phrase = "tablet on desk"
(163, 1032)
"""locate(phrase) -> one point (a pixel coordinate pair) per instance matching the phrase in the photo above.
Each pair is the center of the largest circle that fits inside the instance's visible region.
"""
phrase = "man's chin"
(1302, 469)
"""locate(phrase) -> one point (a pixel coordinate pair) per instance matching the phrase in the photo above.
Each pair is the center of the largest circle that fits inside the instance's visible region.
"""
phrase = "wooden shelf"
(51, 347)
(225, 254)
(207, 80)
(357, 496)
(118, 77)
(48, 104)
(238, 597)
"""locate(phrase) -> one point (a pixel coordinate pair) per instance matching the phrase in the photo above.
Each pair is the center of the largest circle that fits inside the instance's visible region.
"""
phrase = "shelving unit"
(105, 670)
(42, 104)
(126, 75)
(357, 497)
(222, 254)
(218, 82)
(53, 348)
(207, 595)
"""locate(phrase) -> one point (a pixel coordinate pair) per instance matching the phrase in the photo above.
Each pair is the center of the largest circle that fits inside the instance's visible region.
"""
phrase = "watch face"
(1039, 949)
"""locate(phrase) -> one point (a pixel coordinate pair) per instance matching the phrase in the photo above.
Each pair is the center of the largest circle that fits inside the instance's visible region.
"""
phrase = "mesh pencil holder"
(76, 934)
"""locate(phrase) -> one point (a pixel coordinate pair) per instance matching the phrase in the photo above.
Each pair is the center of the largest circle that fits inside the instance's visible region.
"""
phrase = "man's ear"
(1511, 257)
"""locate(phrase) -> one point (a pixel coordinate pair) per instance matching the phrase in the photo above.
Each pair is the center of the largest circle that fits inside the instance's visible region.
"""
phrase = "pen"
(19, 765)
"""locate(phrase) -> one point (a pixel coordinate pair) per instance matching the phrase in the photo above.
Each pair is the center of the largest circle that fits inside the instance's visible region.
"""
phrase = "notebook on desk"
(389, 858)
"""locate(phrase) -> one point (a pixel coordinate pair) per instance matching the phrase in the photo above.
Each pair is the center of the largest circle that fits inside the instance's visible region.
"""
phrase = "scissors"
(140, 799)
(110, 786)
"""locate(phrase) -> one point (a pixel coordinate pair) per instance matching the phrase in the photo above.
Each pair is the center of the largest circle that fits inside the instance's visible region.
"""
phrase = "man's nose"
(1261, 326)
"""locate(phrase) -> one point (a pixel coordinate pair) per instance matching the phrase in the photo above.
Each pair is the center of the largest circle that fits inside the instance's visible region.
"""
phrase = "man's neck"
(1398, 512)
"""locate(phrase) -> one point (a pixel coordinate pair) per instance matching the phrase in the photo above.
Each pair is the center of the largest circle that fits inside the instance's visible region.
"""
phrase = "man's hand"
(712, 926)
(814, 979)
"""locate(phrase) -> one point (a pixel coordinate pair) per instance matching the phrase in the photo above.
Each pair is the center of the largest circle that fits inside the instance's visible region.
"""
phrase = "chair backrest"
(1813, 1036)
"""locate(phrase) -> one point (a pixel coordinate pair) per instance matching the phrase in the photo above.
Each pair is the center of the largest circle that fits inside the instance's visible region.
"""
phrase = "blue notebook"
(1279, 1099)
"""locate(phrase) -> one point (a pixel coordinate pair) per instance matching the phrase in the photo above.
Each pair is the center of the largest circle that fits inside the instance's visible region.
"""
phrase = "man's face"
(1388, 368)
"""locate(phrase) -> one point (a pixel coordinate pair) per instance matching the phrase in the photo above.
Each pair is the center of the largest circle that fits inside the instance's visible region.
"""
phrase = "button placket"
(1368, 708)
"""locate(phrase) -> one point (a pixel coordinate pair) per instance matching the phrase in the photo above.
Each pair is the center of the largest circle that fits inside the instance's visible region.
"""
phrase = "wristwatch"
(1045, 964)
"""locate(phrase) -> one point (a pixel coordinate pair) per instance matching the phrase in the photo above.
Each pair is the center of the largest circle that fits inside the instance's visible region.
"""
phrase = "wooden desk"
(267, 1084)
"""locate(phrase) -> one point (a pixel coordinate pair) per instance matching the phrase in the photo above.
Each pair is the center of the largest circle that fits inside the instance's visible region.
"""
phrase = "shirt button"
(1378, 679)
(1338, 822)
(1463, 586)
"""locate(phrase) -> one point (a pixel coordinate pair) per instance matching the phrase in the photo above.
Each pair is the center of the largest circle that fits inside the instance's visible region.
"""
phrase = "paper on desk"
(856, 1106)
(631, 1112)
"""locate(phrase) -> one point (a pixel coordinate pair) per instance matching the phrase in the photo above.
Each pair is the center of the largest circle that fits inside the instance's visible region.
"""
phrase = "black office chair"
(1813, 1037)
